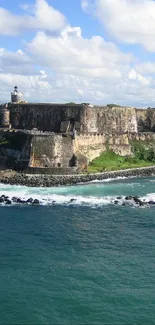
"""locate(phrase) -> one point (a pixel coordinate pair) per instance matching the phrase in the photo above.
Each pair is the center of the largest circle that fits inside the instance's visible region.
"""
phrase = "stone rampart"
(108, 119)
(44, 117)
(87, 118)
(59, 151)
(92, 145)
(142, 136)
(64, 151)
(51, 151)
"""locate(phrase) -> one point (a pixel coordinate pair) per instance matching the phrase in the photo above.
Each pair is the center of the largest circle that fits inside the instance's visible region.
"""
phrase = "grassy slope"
(109, 161)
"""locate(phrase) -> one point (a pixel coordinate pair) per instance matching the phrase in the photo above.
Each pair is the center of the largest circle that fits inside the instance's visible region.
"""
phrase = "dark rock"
(137, 200)
(119, 197)
(151, 202)
(5, 197)
(14, 199)
(8, 202)
(141, 203)
(129, 197)
(30, 200)
(20, 201)
(72, 200)
(36, 201)
(116, 202)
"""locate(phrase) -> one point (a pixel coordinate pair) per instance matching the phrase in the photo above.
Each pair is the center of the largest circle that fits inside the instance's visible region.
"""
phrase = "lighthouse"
(16, 97)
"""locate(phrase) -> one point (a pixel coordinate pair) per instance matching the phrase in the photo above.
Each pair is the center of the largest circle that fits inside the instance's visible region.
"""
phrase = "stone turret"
(4, 116)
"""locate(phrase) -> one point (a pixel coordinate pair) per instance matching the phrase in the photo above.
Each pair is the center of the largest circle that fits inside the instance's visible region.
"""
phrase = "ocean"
(78, 258)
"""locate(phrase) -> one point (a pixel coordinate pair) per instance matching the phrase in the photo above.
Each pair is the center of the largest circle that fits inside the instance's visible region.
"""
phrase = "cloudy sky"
(96, 51)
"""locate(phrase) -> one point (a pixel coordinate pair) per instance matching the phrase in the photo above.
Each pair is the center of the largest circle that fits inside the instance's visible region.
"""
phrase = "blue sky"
(97, 51)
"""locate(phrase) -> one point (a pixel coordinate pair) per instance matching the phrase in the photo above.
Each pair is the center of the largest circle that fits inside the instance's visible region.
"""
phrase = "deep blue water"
(82, 263)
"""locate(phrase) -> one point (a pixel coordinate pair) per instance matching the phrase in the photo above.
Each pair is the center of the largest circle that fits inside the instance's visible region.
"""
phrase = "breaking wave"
(91, 194)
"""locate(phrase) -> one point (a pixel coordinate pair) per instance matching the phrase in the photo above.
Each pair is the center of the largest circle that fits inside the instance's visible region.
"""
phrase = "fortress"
(64, 138)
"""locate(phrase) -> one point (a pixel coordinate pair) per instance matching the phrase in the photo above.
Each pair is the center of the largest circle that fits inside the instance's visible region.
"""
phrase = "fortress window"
(73, 161)
(59, 164)
(72, 124)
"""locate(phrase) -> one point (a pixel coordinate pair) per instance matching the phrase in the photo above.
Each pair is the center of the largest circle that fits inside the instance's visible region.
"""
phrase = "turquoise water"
(82, 262)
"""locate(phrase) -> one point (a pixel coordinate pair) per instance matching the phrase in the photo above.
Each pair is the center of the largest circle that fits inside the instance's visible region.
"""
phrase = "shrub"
(149, 155)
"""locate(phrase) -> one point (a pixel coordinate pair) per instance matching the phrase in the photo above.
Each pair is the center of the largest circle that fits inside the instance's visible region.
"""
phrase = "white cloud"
(15, 62)
(44, 17)
(146, 68)
(73, 54)
(60, 87)
(131, 21)
(69, 67)
(73, 68)
(133, 75)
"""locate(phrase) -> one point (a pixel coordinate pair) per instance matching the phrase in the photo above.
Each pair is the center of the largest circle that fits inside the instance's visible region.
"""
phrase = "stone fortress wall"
(51, 127)
(58, 150)
(89, 119)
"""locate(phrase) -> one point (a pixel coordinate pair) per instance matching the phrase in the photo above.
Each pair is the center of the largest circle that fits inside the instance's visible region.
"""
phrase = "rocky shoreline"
(13, 178)
(121, 201)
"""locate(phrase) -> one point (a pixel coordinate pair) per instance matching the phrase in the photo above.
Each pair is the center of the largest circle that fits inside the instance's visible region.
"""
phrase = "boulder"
(137, 200)
(151, 202)
(8, 202)
(14, 199)
(20, 201)
(30, 200)
(2, 199)
(36, 201)
(129, 197)
(72, 200)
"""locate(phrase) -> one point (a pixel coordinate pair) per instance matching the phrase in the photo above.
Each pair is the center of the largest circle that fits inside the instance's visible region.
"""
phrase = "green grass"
(110, 161)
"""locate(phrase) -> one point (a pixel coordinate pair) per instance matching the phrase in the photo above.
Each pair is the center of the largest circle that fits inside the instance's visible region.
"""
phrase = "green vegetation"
(12, 140)
(110, 161)
(3, 142)
(113, 105)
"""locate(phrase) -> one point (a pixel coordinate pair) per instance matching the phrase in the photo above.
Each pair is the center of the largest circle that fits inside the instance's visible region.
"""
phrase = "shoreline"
(13, 178)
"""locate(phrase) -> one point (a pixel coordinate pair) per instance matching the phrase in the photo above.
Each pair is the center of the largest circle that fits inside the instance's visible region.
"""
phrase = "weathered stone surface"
(96, 129)
(91, 119)
(146, 120)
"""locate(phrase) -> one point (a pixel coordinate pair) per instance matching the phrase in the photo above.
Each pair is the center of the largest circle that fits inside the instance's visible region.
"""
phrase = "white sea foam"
(108, 180)
(149, 197)
(67, 196)
(48, 196)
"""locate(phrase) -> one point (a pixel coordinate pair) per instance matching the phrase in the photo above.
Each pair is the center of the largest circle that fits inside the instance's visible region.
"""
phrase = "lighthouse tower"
(16, 97)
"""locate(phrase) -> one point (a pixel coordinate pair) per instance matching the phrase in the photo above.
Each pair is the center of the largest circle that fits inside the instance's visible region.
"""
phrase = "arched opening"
(73, 161)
